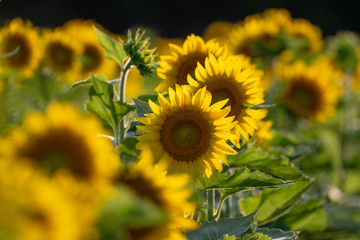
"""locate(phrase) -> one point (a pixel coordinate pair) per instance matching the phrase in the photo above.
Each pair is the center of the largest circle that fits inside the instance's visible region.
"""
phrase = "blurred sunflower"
(169, 192)
(61, 54)
(24, 36)
(61, 141)
(263, 134)
(188, 132)
(309, 91)
(162, 45)
(230, 79)
(218, 30)
(32, 207)
(93, 54)
(173, 69)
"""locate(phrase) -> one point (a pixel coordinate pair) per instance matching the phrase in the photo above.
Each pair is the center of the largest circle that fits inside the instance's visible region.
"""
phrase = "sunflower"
(168, 192)
(61, 140)
(162, 45)
(22, 34)
(188, 132)
(231, 79)
(32, 207)
(174, 68)
(61, 54)
(93, 55)
(309, 91)
(219, 30)
(302, 28)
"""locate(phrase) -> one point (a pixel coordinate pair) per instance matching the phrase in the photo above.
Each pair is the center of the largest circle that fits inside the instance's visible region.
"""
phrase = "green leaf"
(309, 216)
(142, 107)
(85, 81)
(241, 179)
(278, 234)
(215, 230)
(276, 166)
(101, 102)
(272, 203)
(146, 97)
(255, 236)
(113, 50)
(227, 237)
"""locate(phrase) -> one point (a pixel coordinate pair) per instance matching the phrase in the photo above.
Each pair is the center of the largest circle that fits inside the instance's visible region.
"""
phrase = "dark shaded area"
(179, 18)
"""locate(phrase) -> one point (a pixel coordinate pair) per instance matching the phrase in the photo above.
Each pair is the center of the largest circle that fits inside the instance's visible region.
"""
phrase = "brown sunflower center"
(141, 233)
(303, 96)
(91, 58)
(61, 149)
(185, 135)
(221, 90)
(22, 57)
(60, 55)
(188, 67)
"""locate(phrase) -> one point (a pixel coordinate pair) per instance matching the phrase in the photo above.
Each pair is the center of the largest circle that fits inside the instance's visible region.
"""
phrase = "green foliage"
(101, 102)
(141, 107)
(113, 50)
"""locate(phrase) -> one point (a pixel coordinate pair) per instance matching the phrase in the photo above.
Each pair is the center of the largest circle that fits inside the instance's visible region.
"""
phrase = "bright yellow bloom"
(62, 53)
(188, 132)
(232, 79)
(218, 30)
(93, 54)
(310, 91)
(19, 33)
(32, 208)
(169, 192)
(174, 68)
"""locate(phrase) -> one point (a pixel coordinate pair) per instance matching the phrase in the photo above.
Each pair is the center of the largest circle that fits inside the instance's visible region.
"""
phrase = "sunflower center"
(221, 90)
(61, 149)
(91, 58)
(185, 135)
(60, 55)
(188, 67)
(22, 57)
(304, 96)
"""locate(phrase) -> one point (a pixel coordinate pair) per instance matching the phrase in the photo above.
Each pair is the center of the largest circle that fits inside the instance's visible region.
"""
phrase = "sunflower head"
(169, 192)
(63, 142)
(188, 132)
(263, 133)
(310, 91)
(175, 67)
(233, 79)
(24, 37)
(32, 207)
(92, 57)
(138, 48)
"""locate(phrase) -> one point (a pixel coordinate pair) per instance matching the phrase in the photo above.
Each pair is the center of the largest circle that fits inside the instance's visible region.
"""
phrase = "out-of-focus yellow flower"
(188, 132)
(175, 68)
(32, 207)
(169, 192)
(162, 45)
(218, 30)
(24, 36)
(92, 57)
(263, 134)
(62, 53)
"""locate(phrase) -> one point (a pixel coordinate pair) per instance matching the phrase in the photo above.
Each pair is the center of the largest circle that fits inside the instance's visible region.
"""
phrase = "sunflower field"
(250, 131)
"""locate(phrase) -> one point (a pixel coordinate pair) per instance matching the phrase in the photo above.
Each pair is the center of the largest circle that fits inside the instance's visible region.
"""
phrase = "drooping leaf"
(255, 159)
(215, 230)
(141, 107)
(240, 180)
(272, 203)
(101, 102)
(113, 50)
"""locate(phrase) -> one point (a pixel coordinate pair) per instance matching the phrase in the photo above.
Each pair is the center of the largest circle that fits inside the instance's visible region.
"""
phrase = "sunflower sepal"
(113, 50)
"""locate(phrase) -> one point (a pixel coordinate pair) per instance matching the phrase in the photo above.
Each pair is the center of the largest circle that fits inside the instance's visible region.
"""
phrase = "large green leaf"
(241, 179)
(216, 229)
(255, 159)
(113, 50)
(101, 102)
(141, 107)
(272, 203)
(278, 234)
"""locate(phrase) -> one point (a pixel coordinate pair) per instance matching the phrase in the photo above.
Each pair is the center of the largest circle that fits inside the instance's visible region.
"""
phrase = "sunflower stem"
(211, 203)
(123, 78)
(218, 211)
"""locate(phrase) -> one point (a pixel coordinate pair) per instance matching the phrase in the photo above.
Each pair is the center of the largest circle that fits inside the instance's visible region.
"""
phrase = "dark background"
(179, 18)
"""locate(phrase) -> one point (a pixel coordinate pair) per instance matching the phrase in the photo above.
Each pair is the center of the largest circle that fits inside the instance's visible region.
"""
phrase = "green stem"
(218, 211)
(211, 203)
(228, 207)
(120, 132)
